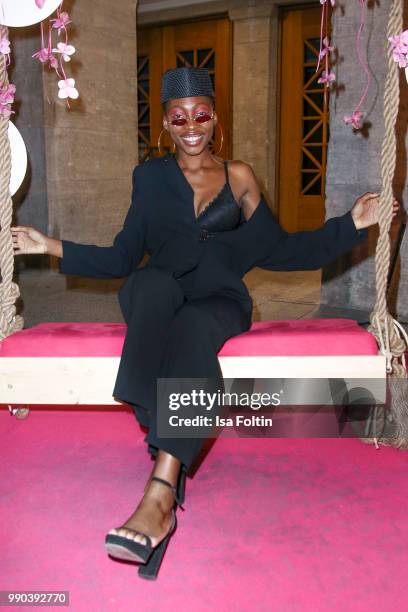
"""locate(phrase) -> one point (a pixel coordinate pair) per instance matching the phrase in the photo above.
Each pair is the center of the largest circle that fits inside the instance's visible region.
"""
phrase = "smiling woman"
(194, 113)
(204, 223)
(191, 121)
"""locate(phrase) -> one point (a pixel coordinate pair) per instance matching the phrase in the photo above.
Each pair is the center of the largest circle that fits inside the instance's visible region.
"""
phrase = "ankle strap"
(168, 484)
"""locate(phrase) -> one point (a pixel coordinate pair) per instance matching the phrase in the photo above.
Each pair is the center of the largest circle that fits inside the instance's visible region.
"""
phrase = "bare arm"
(245, 185)
(364, 211)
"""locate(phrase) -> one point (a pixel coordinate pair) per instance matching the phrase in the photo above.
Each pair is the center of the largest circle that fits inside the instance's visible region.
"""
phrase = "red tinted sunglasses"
(198, 119)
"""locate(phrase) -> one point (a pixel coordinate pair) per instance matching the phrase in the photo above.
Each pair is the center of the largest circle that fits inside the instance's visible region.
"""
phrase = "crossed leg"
(168, 337)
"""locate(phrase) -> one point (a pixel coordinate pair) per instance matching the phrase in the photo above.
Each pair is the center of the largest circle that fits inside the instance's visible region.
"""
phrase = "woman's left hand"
(365, 210)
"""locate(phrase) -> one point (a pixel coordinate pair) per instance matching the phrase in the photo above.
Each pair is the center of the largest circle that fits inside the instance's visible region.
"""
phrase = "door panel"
(149, 73)
(304, 123)
(205, 44)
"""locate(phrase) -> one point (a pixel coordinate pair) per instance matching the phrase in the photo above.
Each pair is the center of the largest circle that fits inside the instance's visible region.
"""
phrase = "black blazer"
(161, 221)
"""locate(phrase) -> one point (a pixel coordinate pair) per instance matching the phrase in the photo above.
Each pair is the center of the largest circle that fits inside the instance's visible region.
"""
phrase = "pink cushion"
(298, 337)
(303, 337)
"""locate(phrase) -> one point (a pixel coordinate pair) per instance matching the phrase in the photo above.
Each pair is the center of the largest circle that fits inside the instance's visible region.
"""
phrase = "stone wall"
(254, 106)
(354, 158)
(81, 159)
(91, 149)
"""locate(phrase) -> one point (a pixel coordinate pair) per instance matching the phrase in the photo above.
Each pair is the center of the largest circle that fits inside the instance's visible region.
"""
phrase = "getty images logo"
(207, 401)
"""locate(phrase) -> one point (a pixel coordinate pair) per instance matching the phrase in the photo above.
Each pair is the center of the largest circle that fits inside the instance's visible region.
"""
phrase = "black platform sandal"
(150, 569)
(122, 547)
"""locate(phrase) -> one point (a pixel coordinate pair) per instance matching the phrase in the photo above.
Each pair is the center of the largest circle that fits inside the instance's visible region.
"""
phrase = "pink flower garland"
(6, 99)
(5, 46)
(356, 117)
(325, 49)
(7, 92)
(399, 48)
(66, 85)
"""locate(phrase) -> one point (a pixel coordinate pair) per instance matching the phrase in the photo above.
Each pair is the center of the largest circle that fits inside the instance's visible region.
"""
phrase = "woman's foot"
(153, 516)
(154, 513)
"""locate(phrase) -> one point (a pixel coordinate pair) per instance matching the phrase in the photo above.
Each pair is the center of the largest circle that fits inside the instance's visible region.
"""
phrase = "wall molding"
(161, 5)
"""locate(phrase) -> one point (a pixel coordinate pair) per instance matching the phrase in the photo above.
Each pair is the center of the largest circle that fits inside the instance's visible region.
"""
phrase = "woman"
(204, 224)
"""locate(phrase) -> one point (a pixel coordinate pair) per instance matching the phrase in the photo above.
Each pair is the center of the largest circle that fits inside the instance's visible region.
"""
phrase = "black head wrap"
(185, 83)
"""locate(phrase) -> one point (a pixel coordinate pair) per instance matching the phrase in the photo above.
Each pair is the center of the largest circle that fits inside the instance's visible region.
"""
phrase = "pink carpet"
(269, 524)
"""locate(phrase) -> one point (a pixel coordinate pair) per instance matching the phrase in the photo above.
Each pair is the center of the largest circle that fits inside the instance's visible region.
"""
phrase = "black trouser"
(170, 334)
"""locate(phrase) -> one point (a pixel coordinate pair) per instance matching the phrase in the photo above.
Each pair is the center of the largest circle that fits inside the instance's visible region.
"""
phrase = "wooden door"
(205, 44)
(303, 124)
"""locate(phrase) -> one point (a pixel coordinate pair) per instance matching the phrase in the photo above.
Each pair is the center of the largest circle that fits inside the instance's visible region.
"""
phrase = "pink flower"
(40, 3)
(61, 22)
(326, 48)
(67, 89)
(399, 47)
(65, 50)
(326, 78)
(6, 111)
(45, 55)
(354, 119)
(7, 94)
(6, 98)
(5, 46)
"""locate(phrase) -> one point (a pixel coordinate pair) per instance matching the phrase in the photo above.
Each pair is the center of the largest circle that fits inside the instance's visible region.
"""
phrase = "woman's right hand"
(28, 240)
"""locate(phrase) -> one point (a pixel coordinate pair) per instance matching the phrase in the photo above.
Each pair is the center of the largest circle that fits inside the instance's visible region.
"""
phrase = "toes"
(123, 532)
(138, 537)
(130, 534)
(113, 531)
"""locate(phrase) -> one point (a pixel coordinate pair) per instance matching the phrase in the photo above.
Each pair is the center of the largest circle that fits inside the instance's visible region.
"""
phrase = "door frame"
(282, 9)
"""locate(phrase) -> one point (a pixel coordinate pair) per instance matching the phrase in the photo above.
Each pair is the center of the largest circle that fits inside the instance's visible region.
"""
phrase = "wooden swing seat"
(77, 363)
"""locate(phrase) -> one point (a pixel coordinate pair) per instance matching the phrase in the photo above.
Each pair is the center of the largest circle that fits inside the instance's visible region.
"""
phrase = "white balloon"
(20, 13)
(18, 158)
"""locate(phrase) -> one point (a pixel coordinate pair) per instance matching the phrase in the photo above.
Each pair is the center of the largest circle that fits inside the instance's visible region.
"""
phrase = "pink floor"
(269, 524)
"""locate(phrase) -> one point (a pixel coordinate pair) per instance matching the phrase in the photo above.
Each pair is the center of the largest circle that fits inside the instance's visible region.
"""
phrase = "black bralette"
(223, 213)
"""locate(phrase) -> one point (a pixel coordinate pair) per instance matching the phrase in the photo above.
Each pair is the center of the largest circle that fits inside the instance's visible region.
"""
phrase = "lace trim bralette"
(223, 213)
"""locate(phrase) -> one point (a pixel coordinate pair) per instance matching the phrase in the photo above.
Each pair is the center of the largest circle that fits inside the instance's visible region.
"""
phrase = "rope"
(382, 323)
(9, 291)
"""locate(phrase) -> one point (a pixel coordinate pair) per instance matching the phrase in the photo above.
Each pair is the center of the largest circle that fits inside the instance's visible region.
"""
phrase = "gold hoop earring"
(159, 143)
(222, 139)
